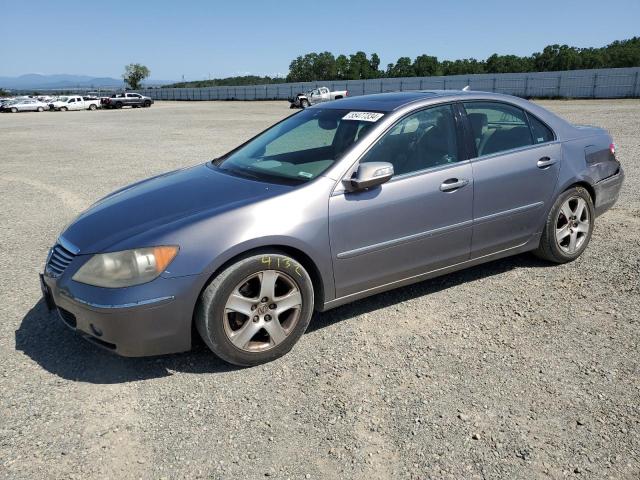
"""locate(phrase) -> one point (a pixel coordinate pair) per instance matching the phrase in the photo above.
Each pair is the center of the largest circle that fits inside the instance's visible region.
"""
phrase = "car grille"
(59, 260)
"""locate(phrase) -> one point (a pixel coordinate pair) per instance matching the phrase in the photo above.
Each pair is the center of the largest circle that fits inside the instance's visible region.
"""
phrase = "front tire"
(63, 109)
(256, 309)
(304, 104)
(14, 110)
(40, 109)
(568, 228)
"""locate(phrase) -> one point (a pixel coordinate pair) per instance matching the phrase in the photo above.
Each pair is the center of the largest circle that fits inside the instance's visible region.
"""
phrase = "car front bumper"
(149, 319)
(607, 191)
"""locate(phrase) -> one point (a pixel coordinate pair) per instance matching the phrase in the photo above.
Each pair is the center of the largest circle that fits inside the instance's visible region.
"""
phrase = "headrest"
(478, 122)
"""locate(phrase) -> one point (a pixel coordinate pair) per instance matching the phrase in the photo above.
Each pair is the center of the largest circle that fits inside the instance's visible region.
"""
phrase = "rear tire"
(40, 109)
(568, 228)
(93, 107)
(14, 110)
(118, 104)
(256, 310)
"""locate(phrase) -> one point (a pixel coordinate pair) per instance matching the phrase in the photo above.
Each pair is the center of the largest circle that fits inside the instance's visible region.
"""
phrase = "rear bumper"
(145, 324)
(607, 191)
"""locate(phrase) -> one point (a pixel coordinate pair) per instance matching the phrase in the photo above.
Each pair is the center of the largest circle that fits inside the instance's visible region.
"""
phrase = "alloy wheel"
(572, 225)
(262, 311)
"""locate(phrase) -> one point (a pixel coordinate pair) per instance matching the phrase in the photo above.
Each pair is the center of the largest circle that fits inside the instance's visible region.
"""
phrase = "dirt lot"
(514, 369)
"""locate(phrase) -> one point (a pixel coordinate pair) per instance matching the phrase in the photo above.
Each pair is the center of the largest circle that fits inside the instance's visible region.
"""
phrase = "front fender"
(277, 242)
(296, 220)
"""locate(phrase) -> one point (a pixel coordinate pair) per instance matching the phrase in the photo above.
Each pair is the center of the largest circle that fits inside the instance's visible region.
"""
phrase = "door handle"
(545, 162)
(453, 184)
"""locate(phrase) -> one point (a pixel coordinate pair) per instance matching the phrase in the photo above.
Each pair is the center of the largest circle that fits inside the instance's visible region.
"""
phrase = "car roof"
(387, 102)
(392, 101)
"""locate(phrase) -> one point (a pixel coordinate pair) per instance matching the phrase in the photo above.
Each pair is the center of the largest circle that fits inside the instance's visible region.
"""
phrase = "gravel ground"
(514, 369)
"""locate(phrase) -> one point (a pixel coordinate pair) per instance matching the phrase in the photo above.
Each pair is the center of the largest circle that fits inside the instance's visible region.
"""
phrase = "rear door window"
(497, 127)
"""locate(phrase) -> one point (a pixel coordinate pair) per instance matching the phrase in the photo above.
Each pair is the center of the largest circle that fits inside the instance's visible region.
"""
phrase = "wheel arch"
(305, 260)
(581, 183)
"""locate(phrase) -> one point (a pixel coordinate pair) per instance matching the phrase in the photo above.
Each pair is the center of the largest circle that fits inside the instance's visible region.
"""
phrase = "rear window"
(541, 133)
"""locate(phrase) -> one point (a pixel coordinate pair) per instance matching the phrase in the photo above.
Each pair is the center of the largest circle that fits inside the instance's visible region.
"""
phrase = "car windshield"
(301, 147)
(63, 99)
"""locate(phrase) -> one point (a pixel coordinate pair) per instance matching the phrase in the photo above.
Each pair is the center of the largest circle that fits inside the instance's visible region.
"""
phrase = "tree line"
(228, 82)
(325, 66)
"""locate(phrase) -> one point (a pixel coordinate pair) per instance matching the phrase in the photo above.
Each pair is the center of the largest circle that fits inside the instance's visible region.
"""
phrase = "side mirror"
(371, 175)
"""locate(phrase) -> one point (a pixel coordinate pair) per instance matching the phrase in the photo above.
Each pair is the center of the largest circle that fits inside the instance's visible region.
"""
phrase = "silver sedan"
(337, 202)
(25, 105)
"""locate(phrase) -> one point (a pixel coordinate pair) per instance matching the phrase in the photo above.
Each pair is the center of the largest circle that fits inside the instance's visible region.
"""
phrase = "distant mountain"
(37, 81)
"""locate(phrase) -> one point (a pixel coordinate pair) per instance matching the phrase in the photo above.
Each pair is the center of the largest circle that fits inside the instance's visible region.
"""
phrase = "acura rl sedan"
(335, 203)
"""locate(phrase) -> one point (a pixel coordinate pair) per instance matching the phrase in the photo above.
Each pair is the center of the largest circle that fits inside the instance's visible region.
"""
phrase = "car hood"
(163, 201)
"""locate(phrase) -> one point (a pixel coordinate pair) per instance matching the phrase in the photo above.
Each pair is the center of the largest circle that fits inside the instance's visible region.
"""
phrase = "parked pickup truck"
(319, 95)
(128, 99)
(74, 102)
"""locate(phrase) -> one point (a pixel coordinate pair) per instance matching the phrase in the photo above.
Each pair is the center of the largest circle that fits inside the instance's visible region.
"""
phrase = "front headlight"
(126, 268)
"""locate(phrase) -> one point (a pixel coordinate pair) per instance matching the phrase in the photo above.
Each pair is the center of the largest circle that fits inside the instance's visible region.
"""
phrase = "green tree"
(592, 58)
(324, 66)
(557, 57)
(134, 73)
(465, 66)
(359, 67)
(425, 66)
(402, 68)
(342, 67)
(508, 64)
(625, 53)
(374, 66)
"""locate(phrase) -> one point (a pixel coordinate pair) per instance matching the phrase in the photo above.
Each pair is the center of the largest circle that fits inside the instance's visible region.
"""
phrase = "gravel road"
(514, 369)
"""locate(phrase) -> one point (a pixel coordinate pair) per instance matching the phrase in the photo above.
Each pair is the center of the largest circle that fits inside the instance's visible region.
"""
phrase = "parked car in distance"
(5, 100)
(318, 95)
(332, 204)
(127, 99)
(25, 105)
(74, 102)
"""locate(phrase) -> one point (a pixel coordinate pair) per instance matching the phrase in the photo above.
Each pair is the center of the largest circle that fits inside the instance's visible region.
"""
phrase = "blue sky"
(201, 38)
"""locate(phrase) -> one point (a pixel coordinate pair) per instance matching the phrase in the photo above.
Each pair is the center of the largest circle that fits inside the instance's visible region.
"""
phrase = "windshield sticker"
(363, 116)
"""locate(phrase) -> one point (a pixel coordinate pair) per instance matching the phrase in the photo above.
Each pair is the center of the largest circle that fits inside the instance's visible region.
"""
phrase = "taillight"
(612, 148)
(346, 93)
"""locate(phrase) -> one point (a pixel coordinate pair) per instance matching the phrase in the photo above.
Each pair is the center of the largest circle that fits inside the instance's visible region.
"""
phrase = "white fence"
(600, 83)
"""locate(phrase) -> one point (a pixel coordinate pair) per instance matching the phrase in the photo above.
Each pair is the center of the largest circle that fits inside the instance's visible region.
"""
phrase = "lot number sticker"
(363, 116)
